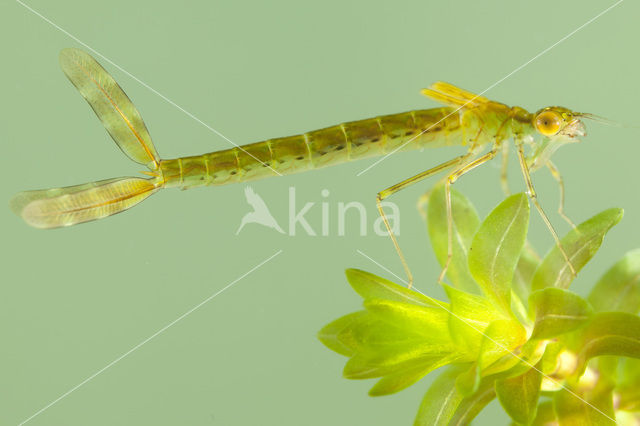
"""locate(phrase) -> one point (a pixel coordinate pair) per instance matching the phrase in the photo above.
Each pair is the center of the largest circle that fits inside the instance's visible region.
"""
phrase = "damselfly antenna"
(602, 120)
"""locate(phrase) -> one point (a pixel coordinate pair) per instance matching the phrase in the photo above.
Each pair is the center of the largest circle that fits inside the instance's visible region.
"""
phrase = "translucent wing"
(52, 208)
(112, 106)
(451, 95)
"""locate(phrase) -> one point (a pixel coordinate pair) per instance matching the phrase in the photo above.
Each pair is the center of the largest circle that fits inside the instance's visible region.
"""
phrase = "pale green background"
(73, 300)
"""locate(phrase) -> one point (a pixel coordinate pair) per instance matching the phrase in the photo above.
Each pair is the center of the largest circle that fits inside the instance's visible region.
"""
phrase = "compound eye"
(548, 123)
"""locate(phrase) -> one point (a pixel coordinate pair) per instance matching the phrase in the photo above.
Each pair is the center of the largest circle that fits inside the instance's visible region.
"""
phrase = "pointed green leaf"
(580, 245)
(610, 333)
(470, 315)
(429, 322)
(519, 395)
(557, 311)
(441, 401)
(367, 364)
(496, 248)
(470, 406)
(337, 334)
(465, 224)
(361, 331)
(371, 286)
(396, 382)
(380, 347)
(619, 287)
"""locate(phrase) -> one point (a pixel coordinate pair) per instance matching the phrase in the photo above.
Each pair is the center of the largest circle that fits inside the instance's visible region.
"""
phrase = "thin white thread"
(383, 267)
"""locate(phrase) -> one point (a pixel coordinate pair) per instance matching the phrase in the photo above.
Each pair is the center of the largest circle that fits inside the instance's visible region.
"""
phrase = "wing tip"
(71, 57)
(66, 54)
(18, 202)
(33, 215)
(27, 209)
(70, 51)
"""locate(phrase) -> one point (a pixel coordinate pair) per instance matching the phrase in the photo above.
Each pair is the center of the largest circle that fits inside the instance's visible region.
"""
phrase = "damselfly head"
(558, 122)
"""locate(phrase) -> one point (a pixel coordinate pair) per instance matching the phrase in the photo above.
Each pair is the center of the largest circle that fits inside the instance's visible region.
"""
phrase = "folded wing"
(451, 95)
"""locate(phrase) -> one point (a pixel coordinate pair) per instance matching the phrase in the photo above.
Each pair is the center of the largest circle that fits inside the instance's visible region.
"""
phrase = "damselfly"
(483, 126)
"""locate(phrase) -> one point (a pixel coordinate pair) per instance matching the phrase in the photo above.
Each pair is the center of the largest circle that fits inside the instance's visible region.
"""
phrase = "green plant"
(556, 359)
